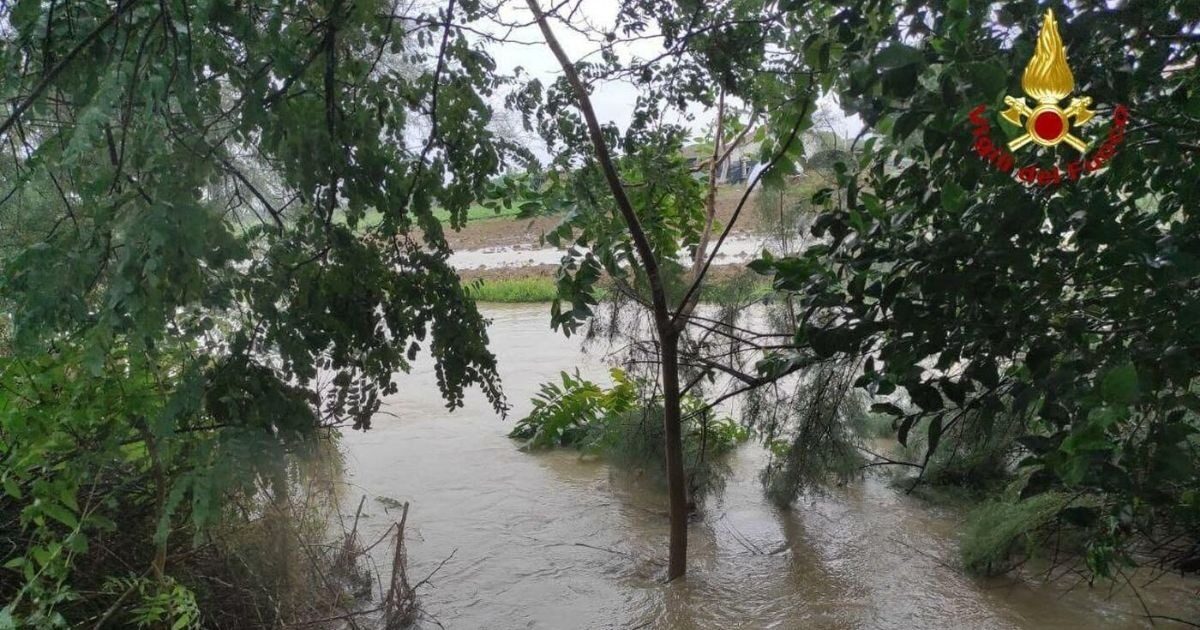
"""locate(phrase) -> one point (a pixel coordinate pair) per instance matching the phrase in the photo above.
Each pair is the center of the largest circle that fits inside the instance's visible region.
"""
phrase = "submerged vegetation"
(623, 424)
(249, 556)
(1002, 531)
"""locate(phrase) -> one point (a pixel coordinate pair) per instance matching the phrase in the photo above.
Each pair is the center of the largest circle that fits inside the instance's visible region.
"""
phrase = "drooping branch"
(433, 102)
(237, 174)
(331, 111)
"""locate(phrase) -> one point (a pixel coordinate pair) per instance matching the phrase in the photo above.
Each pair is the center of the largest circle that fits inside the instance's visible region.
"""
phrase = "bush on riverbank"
(633, 441)
(265, 553)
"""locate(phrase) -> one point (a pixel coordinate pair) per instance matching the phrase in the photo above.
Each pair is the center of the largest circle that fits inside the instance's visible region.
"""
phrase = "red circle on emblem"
(1048, 125)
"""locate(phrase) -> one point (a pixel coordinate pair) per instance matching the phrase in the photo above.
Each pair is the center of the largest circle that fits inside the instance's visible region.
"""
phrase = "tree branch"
(49, 77)
(433, 103)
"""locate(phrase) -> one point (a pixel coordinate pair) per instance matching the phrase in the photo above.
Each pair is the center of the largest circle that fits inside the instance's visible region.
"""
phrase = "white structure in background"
(743, 163)
(734, 170)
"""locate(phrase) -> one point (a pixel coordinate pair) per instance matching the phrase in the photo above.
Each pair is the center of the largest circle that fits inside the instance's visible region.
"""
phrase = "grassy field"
(474, 213)
(479, 213)
(541, 289)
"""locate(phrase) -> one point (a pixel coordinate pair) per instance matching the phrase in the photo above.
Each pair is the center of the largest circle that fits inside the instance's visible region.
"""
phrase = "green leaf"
(925, 396)
(897, 55)
(906, 425)
(25, 13)
(59, 513)
(1120, 384)
(1080, 516)
(907, 123)
(12, 487)
(935, 433)
(954, 198)
(990, 79)
(1040, 481)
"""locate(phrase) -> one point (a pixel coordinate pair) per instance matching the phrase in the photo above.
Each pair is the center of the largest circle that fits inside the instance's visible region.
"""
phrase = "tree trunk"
(668, 333)
(710, 196)
(673, 437)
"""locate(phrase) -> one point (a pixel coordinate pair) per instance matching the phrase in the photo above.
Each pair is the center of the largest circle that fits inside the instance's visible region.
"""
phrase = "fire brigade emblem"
(1048, 80)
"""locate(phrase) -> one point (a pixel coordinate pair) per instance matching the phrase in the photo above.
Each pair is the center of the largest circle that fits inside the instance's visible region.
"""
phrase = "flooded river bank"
(550, 540)
(739, 248)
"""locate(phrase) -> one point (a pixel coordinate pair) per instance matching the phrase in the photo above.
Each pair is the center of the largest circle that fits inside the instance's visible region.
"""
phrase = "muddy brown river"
(553, 540)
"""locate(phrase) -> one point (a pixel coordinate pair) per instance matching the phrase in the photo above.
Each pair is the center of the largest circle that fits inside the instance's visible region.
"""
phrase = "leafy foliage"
(162, 604)
(564, 414)
(708, 48)
(1069, 308)
(182, 311)
(624, 425)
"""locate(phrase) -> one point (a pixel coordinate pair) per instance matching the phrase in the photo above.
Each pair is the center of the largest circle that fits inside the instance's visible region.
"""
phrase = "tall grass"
(474, 213)
(1000, 533)
(479, 213)
(513, 290)
(542, 289)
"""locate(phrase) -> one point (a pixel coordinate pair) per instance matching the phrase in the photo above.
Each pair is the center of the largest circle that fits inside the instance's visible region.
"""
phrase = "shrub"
(1000, 532)
(620, 425)
(565, 413)
(634, 440)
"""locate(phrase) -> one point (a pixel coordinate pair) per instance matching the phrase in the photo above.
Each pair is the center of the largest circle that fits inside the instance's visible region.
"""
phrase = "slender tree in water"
(640, 216)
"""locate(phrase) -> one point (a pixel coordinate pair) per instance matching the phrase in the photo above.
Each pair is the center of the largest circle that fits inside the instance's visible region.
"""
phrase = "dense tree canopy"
(185, 280)
(1062, 315)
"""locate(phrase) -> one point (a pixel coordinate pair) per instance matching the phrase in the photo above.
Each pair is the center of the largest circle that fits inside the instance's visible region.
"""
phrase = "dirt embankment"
(508, 273)
(527, 234)
(501, 232)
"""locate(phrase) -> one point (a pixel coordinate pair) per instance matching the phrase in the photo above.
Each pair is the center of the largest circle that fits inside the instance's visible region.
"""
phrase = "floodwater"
(551, 540)
(737, 248)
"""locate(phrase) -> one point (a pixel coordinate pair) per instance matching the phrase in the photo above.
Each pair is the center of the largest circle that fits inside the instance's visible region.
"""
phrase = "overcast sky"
(614, 100)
